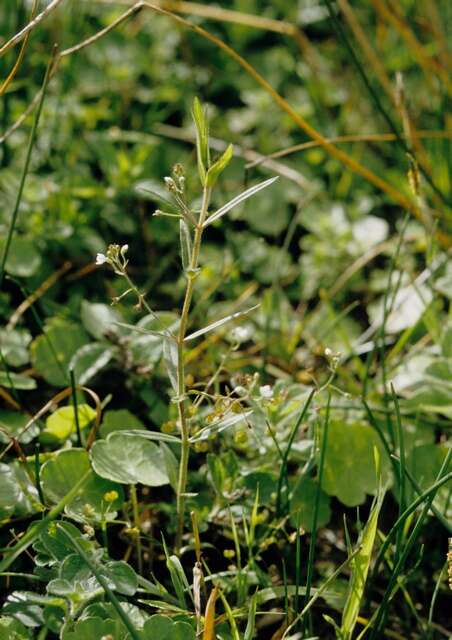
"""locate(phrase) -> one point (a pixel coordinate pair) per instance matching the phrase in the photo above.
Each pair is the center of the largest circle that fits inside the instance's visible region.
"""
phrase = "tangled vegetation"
(226, 343)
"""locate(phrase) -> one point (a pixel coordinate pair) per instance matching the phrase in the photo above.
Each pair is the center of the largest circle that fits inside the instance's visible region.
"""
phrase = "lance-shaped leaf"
(223, 423)
(238, 199)
(185, 244)
(202, 139)
(170, 356)
(219, 323)
(361, 562)
(219, 166)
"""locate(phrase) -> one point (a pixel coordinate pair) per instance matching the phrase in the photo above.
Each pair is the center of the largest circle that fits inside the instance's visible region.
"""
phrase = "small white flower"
(124, 249)
(101, 258)
(266, 391)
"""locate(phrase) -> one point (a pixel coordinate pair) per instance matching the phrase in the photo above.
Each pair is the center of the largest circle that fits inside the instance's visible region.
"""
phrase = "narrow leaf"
(361, 563)
(219, 166)
(170, 357)
(202, 139)
(251, 624)
(238, 199)
(185, 244)
(222, 424)
(219, 323)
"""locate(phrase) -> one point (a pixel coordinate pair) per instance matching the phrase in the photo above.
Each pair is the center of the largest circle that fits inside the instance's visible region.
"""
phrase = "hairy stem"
(181, 400)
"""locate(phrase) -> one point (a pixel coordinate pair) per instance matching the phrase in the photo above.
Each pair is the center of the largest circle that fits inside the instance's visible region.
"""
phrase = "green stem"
(137, 524)
(185, 432)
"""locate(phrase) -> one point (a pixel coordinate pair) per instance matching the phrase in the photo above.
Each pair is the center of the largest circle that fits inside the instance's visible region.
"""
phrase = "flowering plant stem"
(181, 399)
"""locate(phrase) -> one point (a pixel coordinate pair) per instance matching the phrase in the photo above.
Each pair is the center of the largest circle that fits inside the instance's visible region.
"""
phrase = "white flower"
(101, 258)
(266, 391)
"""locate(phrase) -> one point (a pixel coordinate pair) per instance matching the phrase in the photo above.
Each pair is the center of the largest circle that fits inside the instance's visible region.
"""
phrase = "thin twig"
(29, 27)
(366, 137)
(20, 57)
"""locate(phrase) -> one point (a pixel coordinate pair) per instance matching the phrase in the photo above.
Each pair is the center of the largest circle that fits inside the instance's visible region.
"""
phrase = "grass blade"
(360, 565)
(20, 190)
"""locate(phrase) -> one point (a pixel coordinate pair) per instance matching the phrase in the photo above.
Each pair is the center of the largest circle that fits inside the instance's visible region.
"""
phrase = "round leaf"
(61, 423)
(52, 352)
(60, 474)
(129, 459)
(349, 472)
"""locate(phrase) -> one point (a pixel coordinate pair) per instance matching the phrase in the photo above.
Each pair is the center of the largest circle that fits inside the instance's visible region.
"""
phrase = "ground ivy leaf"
(129, 459)
(100, 320)
(12, 629)
(61, 423)
(60, 474)
(14, 345)
(93, 629)
(119, 420)
(89, 360)
(349, 472)
(52, 352)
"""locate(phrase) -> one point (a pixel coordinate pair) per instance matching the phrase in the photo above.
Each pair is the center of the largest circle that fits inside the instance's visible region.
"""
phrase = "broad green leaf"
(60, 474)
(303, 503)
(77, 582)
(129, 459)
(14, 346)
(23, 258)
(12, 629)
(53, 547)
(158, 626)
(123, 577)
(51, 353)
(18, 496)
(61, 423)
(163, 628)
(238, 199)
(219, 323)
(89, 360)
(106, 611)
(18, 381)
(349, 472)
(219, 166)
(100, 320)
(94, 628)
(21, 604)
(118, 420)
